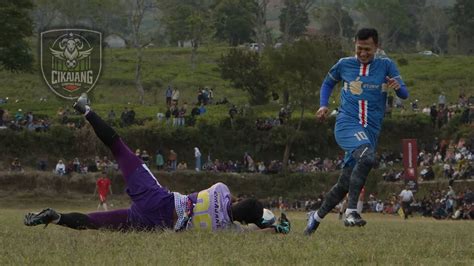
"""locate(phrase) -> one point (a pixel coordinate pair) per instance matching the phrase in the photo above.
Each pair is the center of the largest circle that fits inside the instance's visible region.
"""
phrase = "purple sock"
(126, 159)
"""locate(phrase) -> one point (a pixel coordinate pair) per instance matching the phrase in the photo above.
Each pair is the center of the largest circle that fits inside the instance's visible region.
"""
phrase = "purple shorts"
(152, 204)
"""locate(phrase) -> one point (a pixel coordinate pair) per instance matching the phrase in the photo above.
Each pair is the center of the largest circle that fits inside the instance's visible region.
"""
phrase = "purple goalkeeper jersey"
(212, 209)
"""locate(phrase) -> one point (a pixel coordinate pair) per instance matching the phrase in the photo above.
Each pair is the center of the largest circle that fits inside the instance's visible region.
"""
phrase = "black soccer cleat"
(45, 217)
(82, 104)
(354, 219)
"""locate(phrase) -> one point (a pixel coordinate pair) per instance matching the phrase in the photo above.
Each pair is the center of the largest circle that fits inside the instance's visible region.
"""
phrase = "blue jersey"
(364, 91)
(363, 100)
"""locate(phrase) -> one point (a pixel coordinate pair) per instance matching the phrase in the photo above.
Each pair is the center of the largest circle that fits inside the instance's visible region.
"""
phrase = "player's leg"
(364, 156)
(359, 143)
(332, 198)
(113, 220)
(126, 159)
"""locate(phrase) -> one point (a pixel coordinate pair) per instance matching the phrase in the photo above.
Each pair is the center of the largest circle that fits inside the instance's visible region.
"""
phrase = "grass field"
(384, 240)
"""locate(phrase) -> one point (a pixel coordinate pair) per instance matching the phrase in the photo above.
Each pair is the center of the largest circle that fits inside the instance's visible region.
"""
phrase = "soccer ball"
(268, 218)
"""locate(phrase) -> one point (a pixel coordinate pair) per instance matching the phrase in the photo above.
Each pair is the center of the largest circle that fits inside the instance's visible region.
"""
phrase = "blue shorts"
(350, 135)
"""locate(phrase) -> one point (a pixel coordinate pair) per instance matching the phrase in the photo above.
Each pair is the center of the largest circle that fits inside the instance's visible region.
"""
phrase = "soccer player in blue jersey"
(366, 81)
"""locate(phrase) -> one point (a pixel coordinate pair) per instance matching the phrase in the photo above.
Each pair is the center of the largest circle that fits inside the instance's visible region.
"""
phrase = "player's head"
(247, 211)
(366, 44)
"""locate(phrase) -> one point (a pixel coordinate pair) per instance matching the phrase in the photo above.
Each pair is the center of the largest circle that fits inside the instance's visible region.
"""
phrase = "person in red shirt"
(103, 187)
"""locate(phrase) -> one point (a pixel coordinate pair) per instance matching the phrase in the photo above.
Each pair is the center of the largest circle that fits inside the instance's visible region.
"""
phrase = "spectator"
(406, 198)
(232, 113)
(181, 114)
(211, 95)
(124, 117)
(195, 110)
(131, 116)
(379, 207)
(175, 96)
(2, 112)
(111, 116)
(15, 166)
(168, 116)
(19, 116)
(168, 95)
(60, 168)
(159, 160)
(197, 156)
(182, 166)
(433, 115)
(172, 158)
(145, 157)
(442, 100)
(42, 164)
(202, 109)
(76, 165)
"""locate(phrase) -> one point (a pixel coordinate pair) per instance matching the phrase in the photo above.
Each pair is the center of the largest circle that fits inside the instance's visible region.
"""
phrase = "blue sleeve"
(393, 72)
(332, 78)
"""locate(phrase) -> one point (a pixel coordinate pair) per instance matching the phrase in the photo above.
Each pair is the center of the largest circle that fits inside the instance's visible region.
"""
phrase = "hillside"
(426, 77)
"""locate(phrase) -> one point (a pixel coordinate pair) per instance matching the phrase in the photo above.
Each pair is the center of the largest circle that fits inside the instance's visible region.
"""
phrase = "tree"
(335, 20)
(294, 18)
(45, 13)
(136, 12)
(261, 30)
(15, 27)
(435, 23)
(244, 70)
(389, 17)
(234, 21)
(301, 68)
(463, 23)
(187, 20)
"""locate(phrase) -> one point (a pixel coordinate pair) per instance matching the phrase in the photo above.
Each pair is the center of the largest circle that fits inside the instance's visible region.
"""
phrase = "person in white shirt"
(379, 207)
(406, 198)
(60, 168)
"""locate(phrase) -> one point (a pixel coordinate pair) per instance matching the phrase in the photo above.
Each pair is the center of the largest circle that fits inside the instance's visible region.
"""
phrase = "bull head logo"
(71, 60)
(70, 51)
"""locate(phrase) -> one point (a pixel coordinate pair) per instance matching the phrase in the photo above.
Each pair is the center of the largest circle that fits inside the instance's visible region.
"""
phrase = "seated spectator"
(15, 166)
(42, 165)
(60, 168)
(76, 165)
(182, 166)
(379, 207)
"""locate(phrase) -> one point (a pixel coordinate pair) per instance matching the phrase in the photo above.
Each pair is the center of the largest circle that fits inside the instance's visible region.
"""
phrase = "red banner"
(410, 154)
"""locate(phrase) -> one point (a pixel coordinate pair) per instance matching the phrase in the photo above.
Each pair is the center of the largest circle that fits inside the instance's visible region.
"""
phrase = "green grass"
(426, 77)
(385, 240)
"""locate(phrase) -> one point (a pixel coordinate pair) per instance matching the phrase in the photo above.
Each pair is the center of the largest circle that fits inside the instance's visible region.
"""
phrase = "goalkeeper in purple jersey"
(365, 80)
(155, 207)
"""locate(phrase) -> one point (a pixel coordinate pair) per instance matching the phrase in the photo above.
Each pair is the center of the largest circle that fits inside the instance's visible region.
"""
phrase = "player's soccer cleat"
(312, 224)
(354, 219)
(82, 104)
(45, 217)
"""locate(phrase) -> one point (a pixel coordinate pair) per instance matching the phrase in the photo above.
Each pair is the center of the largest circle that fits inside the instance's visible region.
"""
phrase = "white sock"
(348, 211)
(88, 109)
(317, 218)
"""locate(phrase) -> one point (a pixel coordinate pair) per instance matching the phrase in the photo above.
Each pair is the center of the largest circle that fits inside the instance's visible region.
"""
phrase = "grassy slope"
(426, 77)
(385, 240)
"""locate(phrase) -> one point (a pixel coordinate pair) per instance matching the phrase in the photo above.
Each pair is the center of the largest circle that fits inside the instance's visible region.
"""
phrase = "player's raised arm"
(395, 82)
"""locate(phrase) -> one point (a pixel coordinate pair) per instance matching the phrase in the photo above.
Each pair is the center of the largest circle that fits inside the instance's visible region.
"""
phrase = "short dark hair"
(247, 211)
(366, 33)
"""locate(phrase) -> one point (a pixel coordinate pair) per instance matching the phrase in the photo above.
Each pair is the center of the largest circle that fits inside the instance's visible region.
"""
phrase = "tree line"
(403, 24)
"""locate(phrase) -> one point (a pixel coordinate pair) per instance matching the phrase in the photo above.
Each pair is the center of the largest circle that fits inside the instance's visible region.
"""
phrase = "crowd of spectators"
(22, 121)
